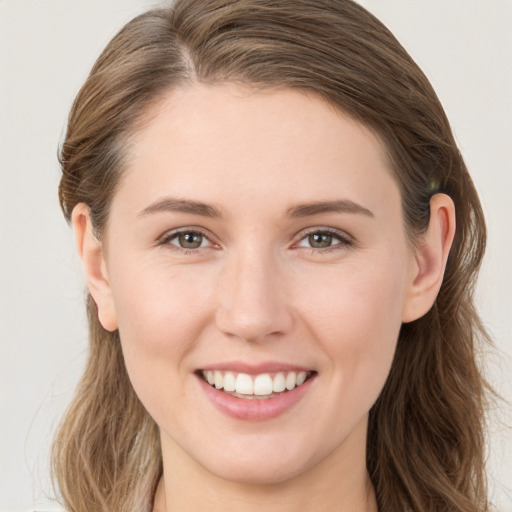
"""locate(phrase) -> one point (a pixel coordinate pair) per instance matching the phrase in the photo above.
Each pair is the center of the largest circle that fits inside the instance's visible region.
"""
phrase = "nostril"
(254, 326)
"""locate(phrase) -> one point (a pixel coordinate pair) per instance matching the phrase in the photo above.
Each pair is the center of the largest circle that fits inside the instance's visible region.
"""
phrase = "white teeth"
(279, 383)
(229, 381)
(291, 381)
(301, 377)
(259, 385)
(219, 380)
(244, 384)
(263, 385)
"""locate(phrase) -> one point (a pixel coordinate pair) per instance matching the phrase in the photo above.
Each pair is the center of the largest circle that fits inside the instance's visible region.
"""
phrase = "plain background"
(46, 51)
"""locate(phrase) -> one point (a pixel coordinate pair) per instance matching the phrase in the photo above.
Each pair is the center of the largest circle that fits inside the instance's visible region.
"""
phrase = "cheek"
(355, 314)
(160, 320)
(156, 303)
(161, 312)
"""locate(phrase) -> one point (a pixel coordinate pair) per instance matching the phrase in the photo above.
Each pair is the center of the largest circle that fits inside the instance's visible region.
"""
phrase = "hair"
(426, 443)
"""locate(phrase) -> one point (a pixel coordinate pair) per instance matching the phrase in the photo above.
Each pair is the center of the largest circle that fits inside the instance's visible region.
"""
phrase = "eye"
(324, 239)
(320, 240)
(187, 239)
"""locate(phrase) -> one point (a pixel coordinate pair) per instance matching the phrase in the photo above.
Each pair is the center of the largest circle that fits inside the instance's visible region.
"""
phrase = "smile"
(262, 386)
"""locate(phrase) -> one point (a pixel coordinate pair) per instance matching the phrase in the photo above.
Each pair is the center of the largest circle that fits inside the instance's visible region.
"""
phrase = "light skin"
(298, 256)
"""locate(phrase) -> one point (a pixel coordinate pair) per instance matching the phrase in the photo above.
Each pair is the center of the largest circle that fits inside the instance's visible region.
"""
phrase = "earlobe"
(92, 255)
(430, 257)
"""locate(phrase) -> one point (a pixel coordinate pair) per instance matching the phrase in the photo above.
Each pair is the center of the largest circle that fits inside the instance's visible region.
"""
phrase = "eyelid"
(171, 234)
(346, 240)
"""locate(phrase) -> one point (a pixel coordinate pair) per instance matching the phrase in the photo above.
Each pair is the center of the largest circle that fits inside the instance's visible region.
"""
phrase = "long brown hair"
(426, 431)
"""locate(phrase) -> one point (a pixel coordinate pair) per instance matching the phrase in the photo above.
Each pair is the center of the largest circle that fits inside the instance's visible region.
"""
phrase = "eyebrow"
(337, 206)
(171, 204)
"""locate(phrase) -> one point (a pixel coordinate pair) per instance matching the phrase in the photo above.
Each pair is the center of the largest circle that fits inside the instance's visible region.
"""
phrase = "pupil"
(190, 240)
(320, 241)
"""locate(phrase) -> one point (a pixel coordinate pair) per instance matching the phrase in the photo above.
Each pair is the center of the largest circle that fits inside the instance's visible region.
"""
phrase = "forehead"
(219, 143)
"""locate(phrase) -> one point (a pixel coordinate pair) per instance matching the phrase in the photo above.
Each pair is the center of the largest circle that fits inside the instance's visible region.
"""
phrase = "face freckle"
(212, 268)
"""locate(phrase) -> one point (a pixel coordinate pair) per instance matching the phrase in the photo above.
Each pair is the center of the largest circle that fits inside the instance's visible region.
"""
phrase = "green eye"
(320, 240)
(323, 239)
(190, 240)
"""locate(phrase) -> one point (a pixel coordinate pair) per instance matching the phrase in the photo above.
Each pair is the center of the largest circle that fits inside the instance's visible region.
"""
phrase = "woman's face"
(256, 236)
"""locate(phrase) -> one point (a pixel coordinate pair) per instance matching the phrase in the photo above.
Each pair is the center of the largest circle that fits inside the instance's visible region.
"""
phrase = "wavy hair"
(425, 446)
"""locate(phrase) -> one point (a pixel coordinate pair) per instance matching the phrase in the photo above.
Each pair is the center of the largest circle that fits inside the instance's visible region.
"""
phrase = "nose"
(253, 302)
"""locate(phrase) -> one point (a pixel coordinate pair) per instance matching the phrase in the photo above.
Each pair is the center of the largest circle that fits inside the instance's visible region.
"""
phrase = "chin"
(260, 464)
(258, 472)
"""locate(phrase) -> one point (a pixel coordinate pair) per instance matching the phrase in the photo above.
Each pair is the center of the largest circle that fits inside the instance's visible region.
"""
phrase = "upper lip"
(255, 369)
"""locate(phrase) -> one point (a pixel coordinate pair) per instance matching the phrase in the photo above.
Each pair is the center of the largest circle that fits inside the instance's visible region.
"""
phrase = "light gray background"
(46, 50)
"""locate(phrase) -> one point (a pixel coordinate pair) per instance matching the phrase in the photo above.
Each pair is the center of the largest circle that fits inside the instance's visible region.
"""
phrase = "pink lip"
(256, 409)
(255, 369)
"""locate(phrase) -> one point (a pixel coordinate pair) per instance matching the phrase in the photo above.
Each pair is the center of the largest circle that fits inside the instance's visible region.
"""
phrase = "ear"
(91, 253)
(430, 256)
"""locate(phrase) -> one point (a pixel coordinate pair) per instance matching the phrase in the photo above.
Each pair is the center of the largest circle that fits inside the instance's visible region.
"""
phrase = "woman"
(280, 240)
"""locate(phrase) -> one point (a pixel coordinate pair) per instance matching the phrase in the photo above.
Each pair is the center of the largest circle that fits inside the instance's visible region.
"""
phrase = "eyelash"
(167, 239)
(344, 241)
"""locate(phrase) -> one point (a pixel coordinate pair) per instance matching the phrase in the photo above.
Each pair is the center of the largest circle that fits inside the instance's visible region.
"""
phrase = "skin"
(256, 290)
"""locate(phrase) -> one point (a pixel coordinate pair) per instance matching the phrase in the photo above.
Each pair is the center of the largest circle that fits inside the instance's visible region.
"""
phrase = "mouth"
(255, 387)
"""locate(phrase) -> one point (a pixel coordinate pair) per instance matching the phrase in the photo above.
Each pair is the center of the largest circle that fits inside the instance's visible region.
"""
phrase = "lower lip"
(255, 409)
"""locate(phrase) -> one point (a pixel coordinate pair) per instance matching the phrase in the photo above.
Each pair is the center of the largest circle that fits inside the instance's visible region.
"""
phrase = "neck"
(275, 499)
(339, 482)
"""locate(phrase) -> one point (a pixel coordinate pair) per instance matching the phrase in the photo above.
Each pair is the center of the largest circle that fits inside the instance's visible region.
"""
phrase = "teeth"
(229, 382)
(291, 381)
(279, 383)
(263, 385)
(259, 385)
(210, 377)
(301, 378)
(244, 384)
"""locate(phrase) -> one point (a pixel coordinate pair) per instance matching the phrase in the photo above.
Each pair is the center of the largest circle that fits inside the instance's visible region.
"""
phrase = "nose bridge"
(253, 302)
